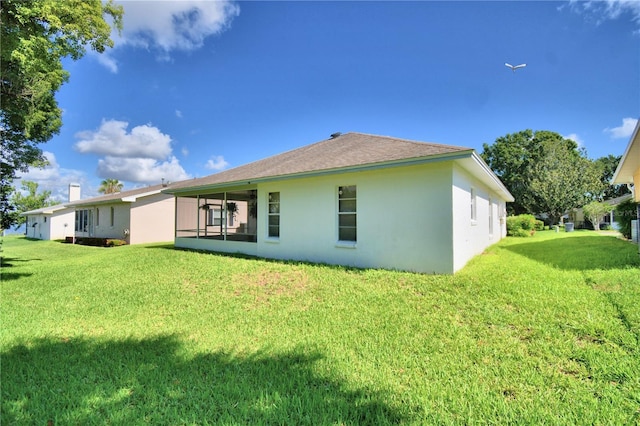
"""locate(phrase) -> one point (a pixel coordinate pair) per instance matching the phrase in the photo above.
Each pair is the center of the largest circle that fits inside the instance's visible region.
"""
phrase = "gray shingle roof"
(344, 151)
(118, 195)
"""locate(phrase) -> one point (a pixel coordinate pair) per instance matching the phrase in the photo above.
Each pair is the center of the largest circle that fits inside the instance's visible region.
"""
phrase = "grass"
(542, 330)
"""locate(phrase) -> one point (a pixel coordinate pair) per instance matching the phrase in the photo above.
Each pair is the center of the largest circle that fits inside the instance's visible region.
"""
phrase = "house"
(53, 222)
(354, 199)
(577, 215)
(143, 215)
(628, 171)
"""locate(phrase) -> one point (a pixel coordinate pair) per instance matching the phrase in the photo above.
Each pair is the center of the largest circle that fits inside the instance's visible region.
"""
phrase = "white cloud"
(600, 11)
(113, 139)
(574, 137)
(54, 178)
(167, 26)
(185, 152)
(623, 131)
(143, 155)
(141, 170)
(178, 113)
(217, 162)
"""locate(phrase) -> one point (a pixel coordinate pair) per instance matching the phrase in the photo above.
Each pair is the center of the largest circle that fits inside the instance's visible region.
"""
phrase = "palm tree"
(110, 186)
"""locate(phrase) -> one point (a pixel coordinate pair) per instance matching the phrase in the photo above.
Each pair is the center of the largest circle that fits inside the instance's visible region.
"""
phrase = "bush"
(625, 213)
(523, 225)
(539, 225)
(115, 243)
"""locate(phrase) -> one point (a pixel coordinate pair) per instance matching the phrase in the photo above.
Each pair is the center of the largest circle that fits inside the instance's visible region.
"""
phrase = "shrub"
(523, 225)
(539, 225)
(625, 213)
(115, 243)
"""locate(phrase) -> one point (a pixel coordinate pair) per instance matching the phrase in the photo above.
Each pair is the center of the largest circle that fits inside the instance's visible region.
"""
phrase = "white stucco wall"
(53, 228)
(472, 237)
(403, 219)
(415, 218)
(152, 219)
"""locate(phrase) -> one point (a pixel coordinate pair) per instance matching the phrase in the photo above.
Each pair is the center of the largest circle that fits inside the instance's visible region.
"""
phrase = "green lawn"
(541, 330)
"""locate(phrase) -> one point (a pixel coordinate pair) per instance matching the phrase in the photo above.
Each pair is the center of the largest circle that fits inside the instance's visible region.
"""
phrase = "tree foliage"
(110, 186)
(30, 200)
(35, 36)
(625, 213)
(546, 173)
(608, 166)
(595, 211)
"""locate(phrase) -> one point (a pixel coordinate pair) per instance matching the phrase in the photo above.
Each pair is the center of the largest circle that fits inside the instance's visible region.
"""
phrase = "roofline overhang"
(625, 162)
(123, 200)
(490, 178)
(45, 210)
(195, 190)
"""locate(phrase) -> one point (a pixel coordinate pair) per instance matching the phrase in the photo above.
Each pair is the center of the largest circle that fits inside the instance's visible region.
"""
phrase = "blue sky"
(192, 88)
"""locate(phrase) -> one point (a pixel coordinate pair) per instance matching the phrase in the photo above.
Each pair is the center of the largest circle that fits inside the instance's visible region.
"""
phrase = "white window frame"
(474, 206)
(273, 212)
(342, 242)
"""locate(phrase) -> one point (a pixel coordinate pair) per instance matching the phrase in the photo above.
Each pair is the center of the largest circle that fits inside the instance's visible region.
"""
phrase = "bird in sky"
(514, 68)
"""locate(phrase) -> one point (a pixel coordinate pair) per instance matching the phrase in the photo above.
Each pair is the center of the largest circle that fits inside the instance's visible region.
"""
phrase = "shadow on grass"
(12, 276)
(580, 253)
(81, 381)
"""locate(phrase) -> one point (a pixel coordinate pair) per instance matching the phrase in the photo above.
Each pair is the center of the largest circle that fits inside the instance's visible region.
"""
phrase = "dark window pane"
(347, 220)
(347, 234)
(347, 191)
(347, 206)
(274, 208)
(274, 197)
(274, 231)
(274, 220)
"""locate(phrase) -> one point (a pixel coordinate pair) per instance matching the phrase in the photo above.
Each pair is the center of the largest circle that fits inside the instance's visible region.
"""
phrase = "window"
(274, 214)
(82, 221)
(97, 217)
(112, 217)
(45, 219)
(214, 216)
(347, 230)
(473, 205)
(490, 217)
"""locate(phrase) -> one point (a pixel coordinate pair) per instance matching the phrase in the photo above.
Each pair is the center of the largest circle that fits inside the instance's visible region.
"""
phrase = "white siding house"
(355, 199)
(53, 222)
(628, 171)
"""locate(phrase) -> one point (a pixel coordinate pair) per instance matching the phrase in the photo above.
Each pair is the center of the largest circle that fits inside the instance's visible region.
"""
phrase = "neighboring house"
(54, 222)
(577, 215)
(628, 171)
(355, 199)
(143, 215)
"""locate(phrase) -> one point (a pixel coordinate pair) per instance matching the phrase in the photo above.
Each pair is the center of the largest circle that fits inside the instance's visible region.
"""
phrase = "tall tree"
(30, 200)
(35, 37)
(608, 166)
(110, 186)
(595, 211)
(546, 173)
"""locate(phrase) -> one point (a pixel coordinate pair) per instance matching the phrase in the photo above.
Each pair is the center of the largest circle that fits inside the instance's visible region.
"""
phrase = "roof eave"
(629, 162)
(193, 190)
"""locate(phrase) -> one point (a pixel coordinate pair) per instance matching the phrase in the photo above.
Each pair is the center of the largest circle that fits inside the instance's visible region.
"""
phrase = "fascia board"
(195, 190)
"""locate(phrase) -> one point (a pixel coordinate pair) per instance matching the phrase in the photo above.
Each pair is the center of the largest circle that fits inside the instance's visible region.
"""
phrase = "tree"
(31, 201)
(608, 166)
(625, 213)
(110, 186)
(595, 211)
(35, 36)
(546, 173)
